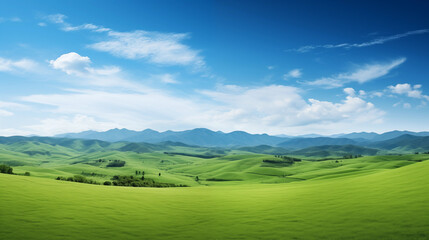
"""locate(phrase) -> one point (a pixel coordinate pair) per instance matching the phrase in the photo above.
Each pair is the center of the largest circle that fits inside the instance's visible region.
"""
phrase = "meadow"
(238, 195)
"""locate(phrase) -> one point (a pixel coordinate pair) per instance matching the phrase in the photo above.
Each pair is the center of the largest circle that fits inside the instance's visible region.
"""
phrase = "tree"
(197, 178)
(27, 173)
(6, 169)
(159, 174)
(107, 183)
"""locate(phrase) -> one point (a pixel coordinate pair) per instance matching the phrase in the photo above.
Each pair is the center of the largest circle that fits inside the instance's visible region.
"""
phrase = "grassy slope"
(387, 204)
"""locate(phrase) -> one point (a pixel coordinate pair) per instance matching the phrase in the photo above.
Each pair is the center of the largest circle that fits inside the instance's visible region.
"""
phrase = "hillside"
(298, 143)
(388, 204)
(404, 143)
(335, 150)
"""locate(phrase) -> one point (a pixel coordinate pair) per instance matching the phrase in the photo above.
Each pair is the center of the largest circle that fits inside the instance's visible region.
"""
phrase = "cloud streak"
(377, 41)
(9, 65)
(154, 47)
(361, 75)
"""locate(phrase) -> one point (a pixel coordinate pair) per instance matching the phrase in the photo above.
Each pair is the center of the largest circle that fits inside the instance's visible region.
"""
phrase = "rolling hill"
(298, 143)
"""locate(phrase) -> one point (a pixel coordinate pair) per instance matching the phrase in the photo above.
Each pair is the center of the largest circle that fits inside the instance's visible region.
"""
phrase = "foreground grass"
(387, 204)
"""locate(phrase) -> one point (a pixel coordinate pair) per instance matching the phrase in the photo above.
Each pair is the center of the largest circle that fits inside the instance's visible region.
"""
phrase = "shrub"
(6, 169)
(116, 163)
(27, 173)
(107, 183)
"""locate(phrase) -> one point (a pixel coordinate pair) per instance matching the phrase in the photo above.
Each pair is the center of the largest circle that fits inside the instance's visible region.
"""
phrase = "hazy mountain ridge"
(209, 138)
(198, 136)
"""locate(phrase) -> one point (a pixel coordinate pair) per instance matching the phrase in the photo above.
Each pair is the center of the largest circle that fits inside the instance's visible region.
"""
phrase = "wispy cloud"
(167, 78)
(161, 48)
(155, 47)
(295, 73)
(10, 106)
(9, 65)
(80, 69)
(363, 74)
(377, 41)
(12, 19)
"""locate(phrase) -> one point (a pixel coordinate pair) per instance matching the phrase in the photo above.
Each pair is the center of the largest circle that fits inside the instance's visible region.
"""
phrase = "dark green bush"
(6, 169)
(140, 182)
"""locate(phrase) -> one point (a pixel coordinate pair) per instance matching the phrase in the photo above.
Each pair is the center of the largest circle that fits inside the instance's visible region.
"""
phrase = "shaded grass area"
(385, 204)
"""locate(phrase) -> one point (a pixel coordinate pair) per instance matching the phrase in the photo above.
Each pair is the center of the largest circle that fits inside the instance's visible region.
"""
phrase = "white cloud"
(65, 26)
(167, 78)
(155, 47)
(4, 113)
(377, 41)
(350, 91)
(42, 24)
(295, 73)
(363, 74)
(79, 68)
(271, 109)
(270, 67)
(56, 18)
(76, 123)
(161, 48)
(9, 105)
(277, 108)
(71, 63)
(86, 26)
(8, 65)
(408, 90)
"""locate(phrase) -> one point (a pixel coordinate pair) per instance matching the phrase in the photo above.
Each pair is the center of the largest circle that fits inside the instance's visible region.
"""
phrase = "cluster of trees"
(192, 155)
(282, 160)
(350, 156)
(92, 174)
(139, 172)
(132, 181)
(77, 178)
(9, 170)
(288, 158)
(116, 163)
(6, 169)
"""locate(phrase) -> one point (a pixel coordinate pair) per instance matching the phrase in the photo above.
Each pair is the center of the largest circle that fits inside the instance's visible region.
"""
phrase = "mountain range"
(209, 138)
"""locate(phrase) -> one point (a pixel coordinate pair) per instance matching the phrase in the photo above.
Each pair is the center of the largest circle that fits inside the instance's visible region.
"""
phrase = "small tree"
(27, 173)
(197, 178)
(107, 183)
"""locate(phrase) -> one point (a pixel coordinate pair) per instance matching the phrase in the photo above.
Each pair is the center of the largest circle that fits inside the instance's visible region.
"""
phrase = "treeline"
(78, 178)
(350, 156)
(282, 159)
(131, 181)
(92, 174)
(111, 163)
(288, 158)
(193, 155)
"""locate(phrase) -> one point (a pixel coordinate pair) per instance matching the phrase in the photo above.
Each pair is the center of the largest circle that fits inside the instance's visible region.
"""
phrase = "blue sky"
(277, 67)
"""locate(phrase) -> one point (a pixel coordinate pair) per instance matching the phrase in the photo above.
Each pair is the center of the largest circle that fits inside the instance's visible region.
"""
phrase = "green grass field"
(238, 196)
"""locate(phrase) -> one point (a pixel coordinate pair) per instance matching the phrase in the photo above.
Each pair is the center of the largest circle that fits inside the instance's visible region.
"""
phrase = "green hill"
(334, 150)
(388, 204)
